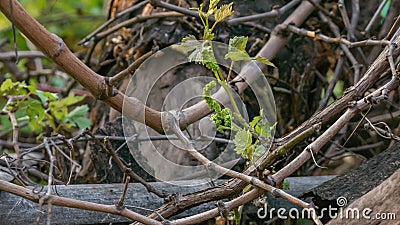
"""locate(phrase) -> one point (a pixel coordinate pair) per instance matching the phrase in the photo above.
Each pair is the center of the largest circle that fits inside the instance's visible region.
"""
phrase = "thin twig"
(31, 171)
(355, 14)
(172, 7)
(131, 68)
(276, 12)
(346, 20)
(128, 171)
(374, 18)
(120, 203)
(334, 40)
(332, 83)
(393, 28)
(21, 54)
(321, 9)
(120, 138)
(77, 204)
(134, 20)
(171, 120)
(335, 29)
(354, 109)
(15, 128)
(85, 41)
(385, 133)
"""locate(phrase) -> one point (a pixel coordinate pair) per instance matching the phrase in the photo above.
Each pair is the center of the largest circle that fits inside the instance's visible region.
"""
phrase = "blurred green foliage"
(41, 108)
(70, 20)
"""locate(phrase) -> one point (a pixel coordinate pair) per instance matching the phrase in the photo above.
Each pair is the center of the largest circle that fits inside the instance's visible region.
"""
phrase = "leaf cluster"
(246, 139)
(223, 116)
(40, 108)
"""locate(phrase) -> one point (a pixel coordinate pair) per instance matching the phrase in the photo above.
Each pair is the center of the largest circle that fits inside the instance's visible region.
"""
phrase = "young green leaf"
(79, 111)
(46, 96)
(242, 142)
(238, 56)
(237, 49)
(82, 122)
(77, 116)
(223, 12)
(237, 43)
(255, 121)
(264, 60)
(6, 85)
(35, 110)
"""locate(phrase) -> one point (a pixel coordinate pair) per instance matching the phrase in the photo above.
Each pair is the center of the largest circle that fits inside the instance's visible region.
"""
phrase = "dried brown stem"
(131, 68)
(128, 171)
(21, 54)
(374, 18)
(85, 41)
(54, 48)
(355, 108)
(276, 12)
(134, 20)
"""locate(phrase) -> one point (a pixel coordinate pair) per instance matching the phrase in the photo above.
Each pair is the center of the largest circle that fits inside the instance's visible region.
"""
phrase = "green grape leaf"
(50, 121)
(13, 88)
(82, 122)
(71, 100)
(238, 56)
(79, 111)
(237, 49)
(78, 117)
(237, 43)
(35, 126)
(242, 141)
(58, 109)
(261, 125)
(45, 96)
(35, 110)
(264, 60)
